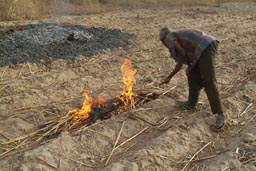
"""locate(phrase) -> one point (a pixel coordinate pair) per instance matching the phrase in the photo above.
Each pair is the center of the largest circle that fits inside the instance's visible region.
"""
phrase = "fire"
(126, 96)
(88, 104)
(128, 79)
(83, 113)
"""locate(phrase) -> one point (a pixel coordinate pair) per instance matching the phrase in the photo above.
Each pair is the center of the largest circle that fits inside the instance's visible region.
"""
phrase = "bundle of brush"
(91, 110)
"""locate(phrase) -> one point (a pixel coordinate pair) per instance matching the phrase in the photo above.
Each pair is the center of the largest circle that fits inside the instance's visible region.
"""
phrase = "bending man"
(197, 50)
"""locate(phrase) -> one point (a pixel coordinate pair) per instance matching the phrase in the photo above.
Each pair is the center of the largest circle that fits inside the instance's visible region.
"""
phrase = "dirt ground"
(167, 138)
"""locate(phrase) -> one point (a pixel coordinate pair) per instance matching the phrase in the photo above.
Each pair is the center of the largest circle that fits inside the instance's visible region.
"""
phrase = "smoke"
(63, 7)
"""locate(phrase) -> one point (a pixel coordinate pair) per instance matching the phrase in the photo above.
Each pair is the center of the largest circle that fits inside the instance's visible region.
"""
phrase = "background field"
(35, 93)
(30, 9)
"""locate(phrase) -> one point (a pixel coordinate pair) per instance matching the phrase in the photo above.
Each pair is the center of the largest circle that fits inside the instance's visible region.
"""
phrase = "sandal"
(219, 124)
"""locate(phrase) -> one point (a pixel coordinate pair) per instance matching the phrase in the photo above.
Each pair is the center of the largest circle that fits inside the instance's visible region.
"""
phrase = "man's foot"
(185, 105)
(219, 124)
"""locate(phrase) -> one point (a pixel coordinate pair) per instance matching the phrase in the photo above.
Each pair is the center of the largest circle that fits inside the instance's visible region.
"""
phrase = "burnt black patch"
(45, 42)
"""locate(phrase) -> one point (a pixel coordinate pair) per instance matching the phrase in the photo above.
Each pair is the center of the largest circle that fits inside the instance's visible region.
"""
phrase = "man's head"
(163, 33)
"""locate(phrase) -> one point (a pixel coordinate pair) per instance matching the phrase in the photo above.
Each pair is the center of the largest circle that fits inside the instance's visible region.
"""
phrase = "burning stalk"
(101, 108)
(91, 110)
(127, 95)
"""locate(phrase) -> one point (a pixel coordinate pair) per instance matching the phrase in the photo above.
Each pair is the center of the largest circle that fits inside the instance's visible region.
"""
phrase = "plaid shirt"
(194, 42)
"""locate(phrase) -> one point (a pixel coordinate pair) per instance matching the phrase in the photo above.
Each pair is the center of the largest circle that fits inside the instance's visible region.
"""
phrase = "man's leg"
(207, 69)
(195, 85)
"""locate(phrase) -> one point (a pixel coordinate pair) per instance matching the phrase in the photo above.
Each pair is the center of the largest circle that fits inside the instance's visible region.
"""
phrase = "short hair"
(163, 33)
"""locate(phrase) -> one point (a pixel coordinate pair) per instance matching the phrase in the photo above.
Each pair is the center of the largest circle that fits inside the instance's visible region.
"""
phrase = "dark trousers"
(203, 76)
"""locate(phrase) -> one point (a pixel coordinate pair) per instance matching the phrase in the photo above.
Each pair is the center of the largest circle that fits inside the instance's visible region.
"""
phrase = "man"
(197, 50)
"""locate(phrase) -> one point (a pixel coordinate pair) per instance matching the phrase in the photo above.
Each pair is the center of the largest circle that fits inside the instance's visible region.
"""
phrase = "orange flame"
(83, 113)
(128, 79)
(126, 96)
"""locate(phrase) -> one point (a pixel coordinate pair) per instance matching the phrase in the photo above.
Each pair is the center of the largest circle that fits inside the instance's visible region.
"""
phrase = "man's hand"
(175, 70)
(165, 81)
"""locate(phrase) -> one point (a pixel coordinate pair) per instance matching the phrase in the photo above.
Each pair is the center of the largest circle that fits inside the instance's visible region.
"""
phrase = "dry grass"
(54, 127)
(16, 9)
(30, 9)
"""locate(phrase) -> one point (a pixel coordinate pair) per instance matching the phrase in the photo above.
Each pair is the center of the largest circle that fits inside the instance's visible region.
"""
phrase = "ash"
(48, 41)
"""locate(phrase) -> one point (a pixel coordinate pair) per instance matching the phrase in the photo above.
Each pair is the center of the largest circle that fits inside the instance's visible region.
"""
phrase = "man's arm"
(175, 71)
(184, 54)
(177, 51)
